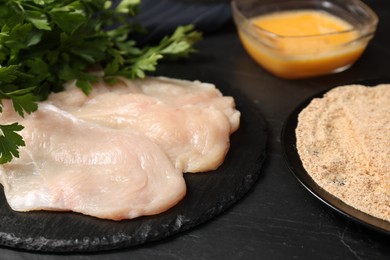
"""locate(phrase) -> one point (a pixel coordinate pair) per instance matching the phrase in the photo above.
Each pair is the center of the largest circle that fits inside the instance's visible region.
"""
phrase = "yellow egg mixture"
(299, 48)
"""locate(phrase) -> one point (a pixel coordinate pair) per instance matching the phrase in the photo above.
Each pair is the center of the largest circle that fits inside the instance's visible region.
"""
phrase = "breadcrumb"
(343, 140)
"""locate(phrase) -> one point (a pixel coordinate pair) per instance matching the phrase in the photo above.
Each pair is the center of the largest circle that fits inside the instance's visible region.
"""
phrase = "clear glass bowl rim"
(368, 29)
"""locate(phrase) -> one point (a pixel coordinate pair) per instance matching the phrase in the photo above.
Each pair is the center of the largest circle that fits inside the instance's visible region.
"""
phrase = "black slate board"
(288, 141)
(208, 194)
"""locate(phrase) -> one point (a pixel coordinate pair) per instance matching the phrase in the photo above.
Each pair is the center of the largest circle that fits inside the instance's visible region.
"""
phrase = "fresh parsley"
(45, 43)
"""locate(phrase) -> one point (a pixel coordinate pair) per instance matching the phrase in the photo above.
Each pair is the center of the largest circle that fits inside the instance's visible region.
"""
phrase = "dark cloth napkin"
(161, 17)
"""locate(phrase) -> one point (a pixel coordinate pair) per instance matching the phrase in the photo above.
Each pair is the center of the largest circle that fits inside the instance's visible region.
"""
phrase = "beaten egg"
(302, 43)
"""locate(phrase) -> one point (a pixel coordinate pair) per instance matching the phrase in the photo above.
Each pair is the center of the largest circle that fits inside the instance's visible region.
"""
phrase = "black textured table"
(278, 218)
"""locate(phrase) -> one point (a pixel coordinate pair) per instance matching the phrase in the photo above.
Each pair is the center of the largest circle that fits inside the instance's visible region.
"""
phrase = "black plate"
(208, 194)
(288, 141)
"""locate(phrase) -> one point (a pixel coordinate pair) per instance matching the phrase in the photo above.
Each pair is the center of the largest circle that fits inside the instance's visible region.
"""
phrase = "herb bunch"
(45, 43)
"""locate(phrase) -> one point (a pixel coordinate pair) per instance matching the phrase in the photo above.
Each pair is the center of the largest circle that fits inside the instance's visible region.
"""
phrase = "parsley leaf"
(23, 100)
(10, 141)
(45, 43)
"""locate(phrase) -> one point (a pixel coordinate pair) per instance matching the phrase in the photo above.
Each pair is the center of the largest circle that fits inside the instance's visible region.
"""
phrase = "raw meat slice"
(71, 164)
(190, 121)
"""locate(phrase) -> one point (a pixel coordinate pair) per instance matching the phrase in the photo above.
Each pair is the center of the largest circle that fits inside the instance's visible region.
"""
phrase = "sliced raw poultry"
(191, 121)
(70, 164)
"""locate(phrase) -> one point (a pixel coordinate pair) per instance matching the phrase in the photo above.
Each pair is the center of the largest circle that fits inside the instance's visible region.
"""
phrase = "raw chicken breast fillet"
(191, 121)
(71, 164)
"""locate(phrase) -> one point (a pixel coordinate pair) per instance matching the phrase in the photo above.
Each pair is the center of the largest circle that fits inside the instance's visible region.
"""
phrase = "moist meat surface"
(120, 152)
(70, 164)
(190, 121)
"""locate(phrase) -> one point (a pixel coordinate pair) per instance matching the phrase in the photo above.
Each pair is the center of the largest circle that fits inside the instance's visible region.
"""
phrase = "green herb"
(45, 43)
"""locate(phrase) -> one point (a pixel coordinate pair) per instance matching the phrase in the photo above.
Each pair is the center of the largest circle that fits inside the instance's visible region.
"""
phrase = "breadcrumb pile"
(343, 140)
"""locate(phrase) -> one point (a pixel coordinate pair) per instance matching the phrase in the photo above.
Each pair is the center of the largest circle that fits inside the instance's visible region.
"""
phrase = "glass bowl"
(309, 55)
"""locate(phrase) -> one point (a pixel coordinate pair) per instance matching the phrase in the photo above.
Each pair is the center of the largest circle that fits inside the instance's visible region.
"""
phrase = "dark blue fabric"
(163, 16)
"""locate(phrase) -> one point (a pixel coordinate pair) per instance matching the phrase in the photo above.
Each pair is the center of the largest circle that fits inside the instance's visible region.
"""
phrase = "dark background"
(278, 218)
